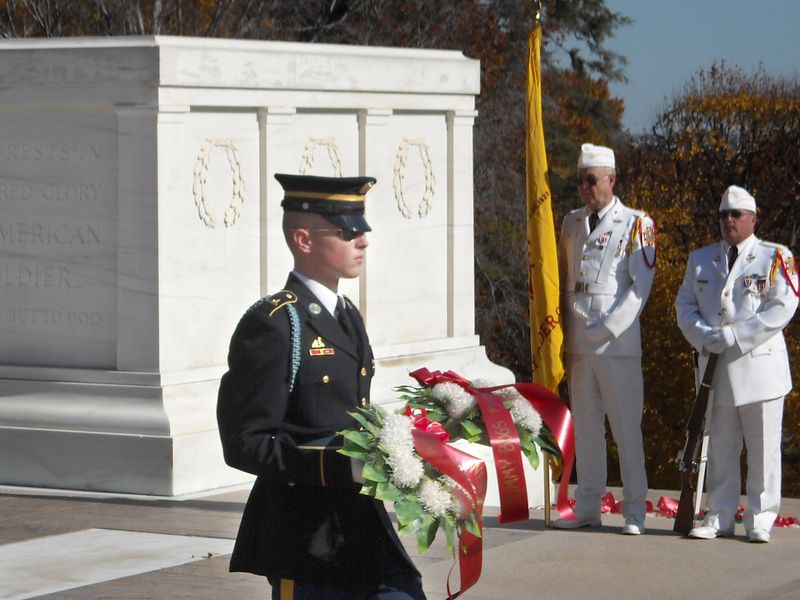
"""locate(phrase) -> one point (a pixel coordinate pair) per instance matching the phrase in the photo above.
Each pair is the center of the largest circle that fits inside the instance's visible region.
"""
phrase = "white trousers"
(759, 426)
(601, 386)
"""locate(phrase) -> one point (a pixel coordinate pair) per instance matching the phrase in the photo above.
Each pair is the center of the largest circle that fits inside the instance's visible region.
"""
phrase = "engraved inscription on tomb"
(58, 255)
(50, 151)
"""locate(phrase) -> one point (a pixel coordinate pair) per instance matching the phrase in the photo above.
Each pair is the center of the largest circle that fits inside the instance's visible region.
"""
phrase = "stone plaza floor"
(63, 545)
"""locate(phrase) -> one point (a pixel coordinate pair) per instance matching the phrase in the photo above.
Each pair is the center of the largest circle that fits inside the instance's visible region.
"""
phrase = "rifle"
(687, 458)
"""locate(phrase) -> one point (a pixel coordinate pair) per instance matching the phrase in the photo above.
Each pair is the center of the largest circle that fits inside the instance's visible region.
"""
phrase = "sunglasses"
(347, 235)
(590, 180)
(736, 214)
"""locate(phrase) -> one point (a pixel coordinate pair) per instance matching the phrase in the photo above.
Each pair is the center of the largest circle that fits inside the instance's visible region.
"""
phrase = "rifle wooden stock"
(687, 460)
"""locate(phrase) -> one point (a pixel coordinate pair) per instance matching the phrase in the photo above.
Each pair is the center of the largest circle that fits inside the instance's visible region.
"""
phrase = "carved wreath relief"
(307, 160)
(424, 205)
(232, 211)
(199, 188)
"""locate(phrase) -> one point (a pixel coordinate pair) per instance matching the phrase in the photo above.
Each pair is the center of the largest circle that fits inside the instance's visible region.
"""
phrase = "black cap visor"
(351, 221)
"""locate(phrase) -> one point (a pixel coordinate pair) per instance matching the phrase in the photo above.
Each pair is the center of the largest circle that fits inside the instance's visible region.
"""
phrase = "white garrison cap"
(736, 198)
(595, 156)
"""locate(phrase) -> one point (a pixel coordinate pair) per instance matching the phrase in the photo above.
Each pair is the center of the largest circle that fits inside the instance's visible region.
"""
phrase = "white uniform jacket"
(756, 300)
(606, 276)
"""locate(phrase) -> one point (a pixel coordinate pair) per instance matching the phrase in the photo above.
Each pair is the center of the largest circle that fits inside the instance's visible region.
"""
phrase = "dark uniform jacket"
(305, 518)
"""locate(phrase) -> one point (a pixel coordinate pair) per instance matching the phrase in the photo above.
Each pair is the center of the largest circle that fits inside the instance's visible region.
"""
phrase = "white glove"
(357, 469)
(597, 333)
(718, 340)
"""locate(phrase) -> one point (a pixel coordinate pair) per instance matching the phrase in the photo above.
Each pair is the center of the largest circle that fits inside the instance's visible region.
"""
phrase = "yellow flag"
(543, 297)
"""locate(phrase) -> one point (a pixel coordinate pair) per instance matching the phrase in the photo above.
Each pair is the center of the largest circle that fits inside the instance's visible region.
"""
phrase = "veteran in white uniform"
(735, 300)
(607, 261)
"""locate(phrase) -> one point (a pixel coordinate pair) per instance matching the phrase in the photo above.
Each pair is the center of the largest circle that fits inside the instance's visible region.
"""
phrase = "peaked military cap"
(339, 199)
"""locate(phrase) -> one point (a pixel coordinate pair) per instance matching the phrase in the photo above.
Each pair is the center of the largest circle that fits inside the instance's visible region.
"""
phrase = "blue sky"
(671, 39)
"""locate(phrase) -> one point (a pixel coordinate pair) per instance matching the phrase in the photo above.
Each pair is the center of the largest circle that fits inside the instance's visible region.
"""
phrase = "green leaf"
(360, 438)
(471, 430)
(426, 534)
(472, 526)
(354, 451)
(450, 534)
(368, 488)
(547, 444)
(408, 529)
(389, 492)
(407, 511)
(529, 449)
(361, 418)
(374, 472)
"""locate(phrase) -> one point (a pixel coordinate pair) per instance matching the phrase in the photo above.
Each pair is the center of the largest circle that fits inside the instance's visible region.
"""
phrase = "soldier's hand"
(597, 333)
(718, 340)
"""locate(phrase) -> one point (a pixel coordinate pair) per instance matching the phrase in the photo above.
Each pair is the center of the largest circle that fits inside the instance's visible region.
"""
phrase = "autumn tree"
(577, 107)
(726, 127)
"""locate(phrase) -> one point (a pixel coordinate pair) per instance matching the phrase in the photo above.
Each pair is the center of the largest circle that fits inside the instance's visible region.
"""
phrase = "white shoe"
(707, 532)
(577, 523)
(633, 526)
(760, 536)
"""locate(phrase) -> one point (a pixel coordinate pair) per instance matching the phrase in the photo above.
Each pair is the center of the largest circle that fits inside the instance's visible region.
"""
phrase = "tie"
(733, 252)
(593, 219)
(346, 322)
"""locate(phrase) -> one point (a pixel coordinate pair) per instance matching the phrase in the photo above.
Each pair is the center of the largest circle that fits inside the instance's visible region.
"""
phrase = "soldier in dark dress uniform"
(298, 362)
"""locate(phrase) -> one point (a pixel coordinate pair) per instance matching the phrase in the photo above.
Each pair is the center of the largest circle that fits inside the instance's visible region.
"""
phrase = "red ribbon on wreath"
(558, 419)
(505, 443)
(470, 474)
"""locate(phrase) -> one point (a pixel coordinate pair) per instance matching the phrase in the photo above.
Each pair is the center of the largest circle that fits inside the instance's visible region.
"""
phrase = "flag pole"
(543, 284)
(537, 18)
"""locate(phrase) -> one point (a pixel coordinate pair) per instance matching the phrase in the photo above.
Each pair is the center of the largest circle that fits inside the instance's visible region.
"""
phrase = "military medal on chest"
(761, 284)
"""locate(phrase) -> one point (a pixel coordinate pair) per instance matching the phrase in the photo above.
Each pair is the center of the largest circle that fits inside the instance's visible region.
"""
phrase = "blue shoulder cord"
(294, 327)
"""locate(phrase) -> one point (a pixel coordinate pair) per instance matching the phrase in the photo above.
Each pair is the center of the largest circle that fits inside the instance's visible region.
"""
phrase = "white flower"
(435, 498)
(407, 468)
(456, 400)
(525, 415)
(481, 383)
(396, 433)
(458, 497)
(522, 413)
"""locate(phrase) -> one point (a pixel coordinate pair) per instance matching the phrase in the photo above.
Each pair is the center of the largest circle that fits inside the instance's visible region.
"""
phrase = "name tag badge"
(321, 351)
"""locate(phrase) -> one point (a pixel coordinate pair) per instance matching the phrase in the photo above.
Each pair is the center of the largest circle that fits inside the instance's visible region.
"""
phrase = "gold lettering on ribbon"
(508, 459)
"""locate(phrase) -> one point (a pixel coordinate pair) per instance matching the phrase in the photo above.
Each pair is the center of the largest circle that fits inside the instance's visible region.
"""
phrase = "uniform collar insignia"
(314, 308)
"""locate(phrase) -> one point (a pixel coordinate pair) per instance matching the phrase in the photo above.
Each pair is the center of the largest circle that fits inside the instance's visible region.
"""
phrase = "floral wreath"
(201, 177)
(433, 485)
